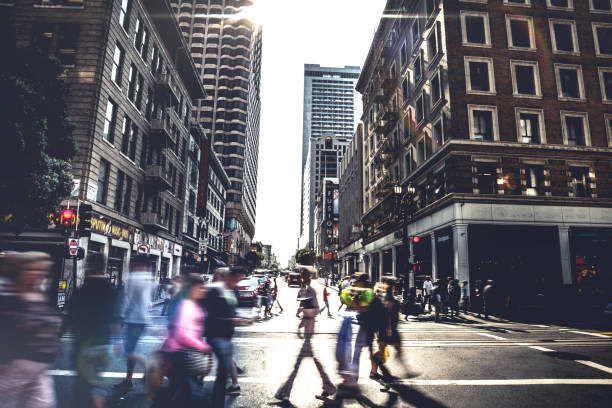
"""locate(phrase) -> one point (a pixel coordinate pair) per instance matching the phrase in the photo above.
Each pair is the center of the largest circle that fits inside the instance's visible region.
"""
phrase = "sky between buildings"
(295, 32)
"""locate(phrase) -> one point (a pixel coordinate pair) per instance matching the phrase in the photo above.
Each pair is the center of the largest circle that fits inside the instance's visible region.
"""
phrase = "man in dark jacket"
(93, 316)
(220, 304)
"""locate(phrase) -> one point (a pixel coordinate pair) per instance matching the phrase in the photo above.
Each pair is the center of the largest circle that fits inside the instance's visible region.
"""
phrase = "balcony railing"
(156, 175)
(153, 220)
(165, 87)
(163, 126)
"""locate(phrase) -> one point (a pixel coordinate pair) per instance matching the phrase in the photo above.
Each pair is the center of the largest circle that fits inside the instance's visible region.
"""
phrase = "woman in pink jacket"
(184, 337)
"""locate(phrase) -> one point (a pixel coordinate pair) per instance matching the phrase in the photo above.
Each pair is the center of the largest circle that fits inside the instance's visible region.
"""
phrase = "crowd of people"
(107, 324)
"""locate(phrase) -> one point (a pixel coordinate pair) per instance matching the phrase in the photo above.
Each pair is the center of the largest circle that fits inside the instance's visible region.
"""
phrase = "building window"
(436, 89)
(530, 125)
(525, 79)
(570, 85)
(124, 14)
(405, 93)
(560, 4)
(415, 30)
(117, 65)
(403, 55)
(563, 36)
(486, 177)
(479, 77)
(475, 29)
(580, 181)
(133, 142)
(103, 172)
(418, 68)
(520, 32)
(419, 109)
(439, 136)
(483, 122)
(67, 44)
(601, 6)
(131, 91)
(126, 129)
(127, 197)
(525, 3)
(608, 125)
(605, 81)
(139, 90)
(119, 190)
(110, 119)
(575, 128)
(139, 35)
(433, 43)
(602, 35)
(534, 180)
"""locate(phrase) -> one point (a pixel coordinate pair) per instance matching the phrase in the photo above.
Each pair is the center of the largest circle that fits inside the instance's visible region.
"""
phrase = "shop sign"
(177, 250)
(111, 228)
(61, 293)
(143, 249)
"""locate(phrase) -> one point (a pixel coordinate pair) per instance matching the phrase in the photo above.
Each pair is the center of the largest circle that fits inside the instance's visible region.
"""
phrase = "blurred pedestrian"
(465, 297)
(478, 303)
(489, 298)
(454, 295)
(436, 299)
(345, 284)
(326, 301)
(30, 328)
(389, 335)
(94, 319)
(309, 309)
(135, 313)
(169, 293)
(275, 295)
(220, 304)
(184, 351)
(427, 288)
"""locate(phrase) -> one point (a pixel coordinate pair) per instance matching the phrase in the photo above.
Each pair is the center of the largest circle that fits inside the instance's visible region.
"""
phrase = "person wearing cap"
(135, 313)
(30, 329)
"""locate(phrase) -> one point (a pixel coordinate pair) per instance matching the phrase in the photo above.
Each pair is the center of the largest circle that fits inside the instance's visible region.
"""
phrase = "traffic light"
(84, 227)
(416, 239)
(66, 220)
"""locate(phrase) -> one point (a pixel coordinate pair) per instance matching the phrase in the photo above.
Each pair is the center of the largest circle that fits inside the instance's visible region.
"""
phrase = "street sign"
(76, 184)
(73, 246)
(143, 249)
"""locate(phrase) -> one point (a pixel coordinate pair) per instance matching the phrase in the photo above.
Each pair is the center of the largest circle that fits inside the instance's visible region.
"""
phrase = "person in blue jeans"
(220, 304)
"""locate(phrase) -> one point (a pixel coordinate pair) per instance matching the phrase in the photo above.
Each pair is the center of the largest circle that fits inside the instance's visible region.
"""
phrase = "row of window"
(597, 6)
(475, 31)
(525, 76)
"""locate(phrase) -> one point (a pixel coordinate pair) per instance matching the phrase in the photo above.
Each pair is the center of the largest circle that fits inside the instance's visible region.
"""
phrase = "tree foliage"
(305, 256)
(37, 141)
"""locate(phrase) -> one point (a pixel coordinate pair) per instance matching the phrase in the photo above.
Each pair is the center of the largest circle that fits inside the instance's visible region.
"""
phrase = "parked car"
(284, 273)
(247, 291)
(294, 279)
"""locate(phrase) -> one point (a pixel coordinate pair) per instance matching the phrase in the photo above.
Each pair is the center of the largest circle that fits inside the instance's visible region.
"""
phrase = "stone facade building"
(499, 114)
(131, 86)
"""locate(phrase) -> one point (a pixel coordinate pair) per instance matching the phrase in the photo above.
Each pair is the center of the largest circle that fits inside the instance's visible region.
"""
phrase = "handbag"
(197, 362)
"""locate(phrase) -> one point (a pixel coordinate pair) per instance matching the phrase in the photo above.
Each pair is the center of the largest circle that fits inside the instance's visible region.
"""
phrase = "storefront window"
(114, 266)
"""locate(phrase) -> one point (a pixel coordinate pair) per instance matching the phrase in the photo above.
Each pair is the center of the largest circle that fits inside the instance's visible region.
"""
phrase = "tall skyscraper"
(226, 49)
(331, 108)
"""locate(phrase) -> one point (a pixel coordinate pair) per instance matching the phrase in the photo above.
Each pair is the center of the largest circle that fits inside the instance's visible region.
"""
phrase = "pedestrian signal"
(85, 214)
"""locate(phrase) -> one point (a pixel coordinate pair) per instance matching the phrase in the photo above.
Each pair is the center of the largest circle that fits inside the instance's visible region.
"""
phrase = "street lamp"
(406, 206)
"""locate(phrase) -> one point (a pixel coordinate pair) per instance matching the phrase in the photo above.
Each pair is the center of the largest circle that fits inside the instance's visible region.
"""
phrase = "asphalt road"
(470, 362)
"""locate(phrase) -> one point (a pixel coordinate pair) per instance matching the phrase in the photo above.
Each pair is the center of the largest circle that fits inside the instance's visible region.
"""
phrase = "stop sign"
(73, 246)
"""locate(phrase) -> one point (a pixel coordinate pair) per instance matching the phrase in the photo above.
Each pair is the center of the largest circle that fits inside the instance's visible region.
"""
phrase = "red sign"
(73, 246)
(143, 249)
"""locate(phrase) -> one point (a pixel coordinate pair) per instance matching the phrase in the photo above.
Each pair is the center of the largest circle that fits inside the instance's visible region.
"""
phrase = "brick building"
(350, 196)
(499, 113)
(131, 86)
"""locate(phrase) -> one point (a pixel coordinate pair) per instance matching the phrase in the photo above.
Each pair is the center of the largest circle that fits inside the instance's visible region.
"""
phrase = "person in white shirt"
(135, 312)
(427, 289)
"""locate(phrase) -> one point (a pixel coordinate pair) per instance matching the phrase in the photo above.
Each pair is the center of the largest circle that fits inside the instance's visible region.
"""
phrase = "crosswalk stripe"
(595, 365)
(590, 334)
(498, 382)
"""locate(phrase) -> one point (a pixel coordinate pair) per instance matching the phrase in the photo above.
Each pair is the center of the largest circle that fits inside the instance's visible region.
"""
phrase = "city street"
(467, 363)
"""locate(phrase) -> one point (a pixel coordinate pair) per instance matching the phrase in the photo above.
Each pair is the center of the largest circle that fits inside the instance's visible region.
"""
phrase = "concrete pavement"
(466, 363)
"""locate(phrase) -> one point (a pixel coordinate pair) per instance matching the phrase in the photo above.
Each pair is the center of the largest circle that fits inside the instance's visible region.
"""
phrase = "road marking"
(590, 334)
(267, 380)
(595, 365)
(541, 325)
(104, 374)
(544, 349)
(492, 336)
